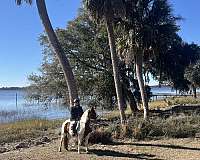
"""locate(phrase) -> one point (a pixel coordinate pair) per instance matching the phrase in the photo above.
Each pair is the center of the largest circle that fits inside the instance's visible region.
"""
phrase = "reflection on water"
(9, 111)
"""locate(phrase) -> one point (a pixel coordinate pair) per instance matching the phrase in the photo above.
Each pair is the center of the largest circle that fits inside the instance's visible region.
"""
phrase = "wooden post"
(16, 99)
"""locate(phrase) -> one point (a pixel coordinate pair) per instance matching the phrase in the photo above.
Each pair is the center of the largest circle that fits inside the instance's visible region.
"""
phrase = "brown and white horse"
(83, 130)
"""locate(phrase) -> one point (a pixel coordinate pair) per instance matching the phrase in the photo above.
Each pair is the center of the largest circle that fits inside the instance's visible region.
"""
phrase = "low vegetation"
(159, 104)
(19, 131)
(181, 126)
(173, 101)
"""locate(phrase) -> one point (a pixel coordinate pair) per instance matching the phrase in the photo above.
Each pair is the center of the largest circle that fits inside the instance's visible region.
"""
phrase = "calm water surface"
(24, 109)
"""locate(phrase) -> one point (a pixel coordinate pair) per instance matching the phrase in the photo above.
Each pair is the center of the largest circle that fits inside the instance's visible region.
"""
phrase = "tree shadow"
(115, 154)
(160, 145)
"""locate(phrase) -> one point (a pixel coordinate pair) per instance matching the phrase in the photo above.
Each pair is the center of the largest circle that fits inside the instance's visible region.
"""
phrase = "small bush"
(100, 136)
(114, 130)
(180, 127)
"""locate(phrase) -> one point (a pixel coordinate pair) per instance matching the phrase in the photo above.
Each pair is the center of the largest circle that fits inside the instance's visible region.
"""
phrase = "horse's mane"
(84, 117)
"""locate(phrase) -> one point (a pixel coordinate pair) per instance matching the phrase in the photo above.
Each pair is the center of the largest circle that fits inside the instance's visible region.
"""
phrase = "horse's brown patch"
(66, 131)
(66, 128)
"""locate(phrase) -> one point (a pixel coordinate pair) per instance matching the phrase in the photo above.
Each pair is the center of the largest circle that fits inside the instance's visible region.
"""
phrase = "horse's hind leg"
(61, 141)
(66, 140)
(86, 144)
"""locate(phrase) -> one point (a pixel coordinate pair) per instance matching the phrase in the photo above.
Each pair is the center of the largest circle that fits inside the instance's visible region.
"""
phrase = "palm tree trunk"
(69, 77)
(194, 91)
(114, 59)
(138, 63)
(132, 102)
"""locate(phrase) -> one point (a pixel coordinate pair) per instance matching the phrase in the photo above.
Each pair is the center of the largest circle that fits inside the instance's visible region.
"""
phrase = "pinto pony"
(83, 130)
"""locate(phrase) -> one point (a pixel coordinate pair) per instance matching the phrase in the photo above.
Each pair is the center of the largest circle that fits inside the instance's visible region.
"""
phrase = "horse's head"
(92, 114)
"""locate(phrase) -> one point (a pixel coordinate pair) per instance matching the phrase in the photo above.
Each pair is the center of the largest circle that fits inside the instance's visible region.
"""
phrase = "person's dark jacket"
(76, 113)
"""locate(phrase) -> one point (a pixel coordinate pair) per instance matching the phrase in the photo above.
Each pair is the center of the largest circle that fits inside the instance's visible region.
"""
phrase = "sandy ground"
(169, 149)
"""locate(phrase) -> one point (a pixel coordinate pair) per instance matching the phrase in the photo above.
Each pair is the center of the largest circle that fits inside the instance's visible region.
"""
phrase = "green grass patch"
(18, 131)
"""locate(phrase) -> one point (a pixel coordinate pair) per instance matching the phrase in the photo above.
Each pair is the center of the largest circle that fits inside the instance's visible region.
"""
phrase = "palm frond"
(19, 2)
(98, 9)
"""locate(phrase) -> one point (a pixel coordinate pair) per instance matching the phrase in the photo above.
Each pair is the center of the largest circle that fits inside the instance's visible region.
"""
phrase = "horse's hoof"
(86, 150)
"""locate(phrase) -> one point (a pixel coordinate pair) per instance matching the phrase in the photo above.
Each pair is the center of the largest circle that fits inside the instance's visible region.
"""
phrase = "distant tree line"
(12, 88)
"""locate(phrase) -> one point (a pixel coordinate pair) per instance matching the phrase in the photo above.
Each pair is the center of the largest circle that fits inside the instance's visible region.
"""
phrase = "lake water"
(9, 111)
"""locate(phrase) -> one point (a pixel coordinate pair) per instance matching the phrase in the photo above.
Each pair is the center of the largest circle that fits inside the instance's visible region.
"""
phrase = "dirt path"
(173, 149)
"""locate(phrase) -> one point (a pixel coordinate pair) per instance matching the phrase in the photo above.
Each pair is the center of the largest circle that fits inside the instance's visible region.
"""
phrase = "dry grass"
(173, 101)
(18, 131)
(158, 104)
(181, 126)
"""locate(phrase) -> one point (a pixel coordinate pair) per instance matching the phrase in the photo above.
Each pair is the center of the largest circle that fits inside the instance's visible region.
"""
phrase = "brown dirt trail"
(169, 149)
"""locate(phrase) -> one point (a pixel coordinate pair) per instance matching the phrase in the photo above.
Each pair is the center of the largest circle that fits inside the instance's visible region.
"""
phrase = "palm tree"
(56, 46)
(150, 24)
(104, 10)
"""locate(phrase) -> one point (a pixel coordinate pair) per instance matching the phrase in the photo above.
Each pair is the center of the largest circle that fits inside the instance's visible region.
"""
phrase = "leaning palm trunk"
(138, 63)
(69, 77)
(114, 59)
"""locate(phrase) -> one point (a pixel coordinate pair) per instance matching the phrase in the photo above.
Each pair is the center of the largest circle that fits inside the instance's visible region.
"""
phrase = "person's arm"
(81, 111)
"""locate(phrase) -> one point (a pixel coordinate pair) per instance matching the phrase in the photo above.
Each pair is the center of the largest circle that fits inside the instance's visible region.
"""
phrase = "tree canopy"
(166, 57)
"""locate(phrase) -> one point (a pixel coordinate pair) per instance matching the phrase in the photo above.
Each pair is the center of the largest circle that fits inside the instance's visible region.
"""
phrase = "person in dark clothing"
(76, 113)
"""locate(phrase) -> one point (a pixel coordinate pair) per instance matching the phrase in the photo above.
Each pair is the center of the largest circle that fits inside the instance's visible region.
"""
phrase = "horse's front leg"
(79, 143)
(86, 142)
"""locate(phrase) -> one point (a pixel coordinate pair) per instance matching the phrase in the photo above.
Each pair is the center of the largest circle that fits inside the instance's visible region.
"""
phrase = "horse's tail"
(65, 133)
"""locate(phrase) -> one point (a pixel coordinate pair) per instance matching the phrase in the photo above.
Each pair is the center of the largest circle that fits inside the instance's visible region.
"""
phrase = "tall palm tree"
(104, 10)
(150, 24)
(56, 46)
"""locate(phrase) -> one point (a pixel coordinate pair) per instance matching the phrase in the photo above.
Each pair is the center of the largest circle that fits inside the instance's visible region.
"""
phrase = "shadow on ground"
(161, 146)
(116, 154)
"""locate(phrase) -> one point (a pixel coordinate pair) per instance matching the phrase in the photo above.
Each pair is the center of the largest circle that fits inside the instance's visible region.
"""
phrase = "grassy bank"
(174, 101)
(159, 104)
(172, 126)
(162, 125)
(27, 129)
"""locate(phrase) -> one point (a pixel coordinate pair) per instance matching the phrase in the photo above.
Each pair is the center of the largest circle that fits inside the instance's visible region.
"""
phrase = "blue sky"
(20, 52)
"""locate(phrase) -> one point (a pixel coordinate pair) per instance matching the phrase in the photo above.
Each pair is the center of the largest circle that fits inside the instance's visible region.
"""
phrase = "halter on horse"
(83, 130)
